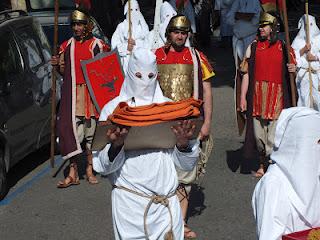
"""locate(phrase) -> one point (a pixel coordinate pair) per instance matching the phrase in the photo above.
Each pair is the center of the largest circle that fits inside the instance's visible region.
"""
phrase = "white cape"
(287, 198)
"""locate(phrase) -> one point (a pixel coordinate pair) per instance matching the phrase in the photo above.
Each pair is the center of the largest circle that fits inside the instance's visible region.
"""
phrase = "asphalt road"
(35, 209)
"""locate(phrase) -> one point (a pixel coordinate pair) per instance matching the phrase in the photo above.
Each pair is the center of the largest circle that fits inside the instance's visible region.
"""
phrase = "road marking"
(11, 196)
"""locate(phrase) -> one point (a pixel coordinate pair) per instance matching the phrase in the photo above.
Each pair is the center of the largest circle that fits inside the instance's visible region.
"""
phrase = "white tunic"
(287, 198)
(303, 79)
(148, 172)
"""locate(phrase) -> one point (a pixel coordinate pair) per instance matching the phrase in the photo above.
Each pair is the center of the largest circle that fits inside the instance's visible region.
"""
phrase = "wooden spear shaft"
(53, 88)
(129, 18)
(309, 63)
(288, 46)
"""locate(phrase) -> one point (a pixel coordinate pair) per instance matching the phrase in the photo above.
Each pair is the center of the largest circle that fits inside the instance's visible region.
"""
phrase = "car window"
(46, 50)
(29, 45)
(10, 60)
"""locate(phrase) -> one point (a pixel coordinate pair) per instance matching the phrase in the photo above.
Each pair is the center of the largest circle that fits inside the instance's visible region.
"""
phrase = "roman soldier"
(265, 89)
(185, 72)
(77, 114)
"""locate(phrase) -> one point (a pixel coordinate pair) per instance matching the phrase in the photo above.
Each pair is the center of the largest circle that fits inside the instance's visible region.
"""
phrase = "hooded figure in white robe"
(244, 32)
(287, 198)
(139, 29)
(147, 172)
(303, 80)
(157, 40)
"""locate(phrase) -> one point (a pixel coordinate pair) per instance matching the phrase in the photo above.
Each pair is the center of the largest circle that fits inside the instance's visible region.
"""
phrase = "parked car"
(25, 89)
(43, 10)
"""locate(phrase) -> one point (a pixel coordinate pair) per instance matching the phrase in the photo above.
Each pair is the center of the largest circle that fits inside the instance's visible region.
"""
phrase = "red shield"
(104, 77)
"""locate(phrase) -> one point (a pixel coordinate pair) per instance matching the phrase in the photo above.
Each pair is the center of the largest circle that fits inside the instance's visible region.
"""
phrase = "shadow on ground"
(196, 201)
(27, 165)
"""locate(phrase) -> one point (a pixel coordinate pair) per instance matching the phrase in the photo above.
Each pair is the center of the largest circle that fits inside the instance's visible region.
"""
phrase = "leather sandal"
(91, 178)
(69, 181)
(188, 233)
(65, 183)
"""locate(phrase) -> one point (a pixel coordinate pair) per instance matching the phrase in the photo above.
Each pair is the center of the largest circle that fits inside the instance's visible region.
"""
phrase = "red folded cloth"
(302, 235)
(155, 113)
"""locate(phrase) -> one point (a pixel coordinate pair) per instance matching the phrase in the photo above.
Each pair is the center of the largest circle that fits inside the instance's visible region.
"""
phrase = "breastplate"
(176, 80)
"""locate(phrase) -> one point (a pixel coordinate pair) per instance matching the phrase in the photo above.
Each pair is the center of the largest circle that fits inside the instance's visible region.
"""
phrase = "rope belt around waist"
(312, 70)
(154, 199)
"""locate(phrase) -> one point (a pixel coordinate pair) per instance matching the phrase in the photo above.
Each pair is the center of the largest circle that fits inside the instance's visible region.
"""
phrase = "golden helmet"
(78, 16)
(267, 19)
(179, 22)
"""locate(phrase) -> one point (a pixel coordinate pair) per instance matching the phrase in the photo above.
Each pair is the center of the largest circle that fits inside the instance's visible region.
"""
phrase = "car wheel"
(3, 176)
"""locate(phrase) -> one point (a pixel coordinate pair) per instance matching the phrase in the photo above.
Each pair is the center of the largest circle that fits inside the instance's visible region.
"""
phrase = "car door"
(38, 75)
(42, 85)
(16, 98)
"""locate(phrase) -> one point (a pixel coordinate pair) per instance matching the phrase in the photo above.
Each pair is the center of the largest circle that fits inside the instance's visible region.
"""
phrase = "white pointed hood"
(144, 90)
(300, 40)
(166, 11)
(297, 157)
(139, 26)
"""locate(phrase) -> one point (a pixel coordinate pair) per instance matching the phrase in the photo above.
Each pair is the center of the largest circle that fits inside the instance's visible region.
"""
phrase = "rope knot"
(163, 200)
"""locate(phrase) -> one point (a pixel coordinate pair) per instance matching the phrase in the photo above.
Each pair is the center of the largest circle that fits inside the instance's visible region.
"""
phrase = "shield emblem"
(104, 77)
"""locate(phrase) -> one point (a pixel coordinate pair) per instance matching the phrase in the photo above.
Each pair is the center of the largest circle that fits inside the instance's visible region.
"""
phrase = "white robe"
(302, 79)
(120, 38)
(157, 39)
(148, 172)
(287, 198)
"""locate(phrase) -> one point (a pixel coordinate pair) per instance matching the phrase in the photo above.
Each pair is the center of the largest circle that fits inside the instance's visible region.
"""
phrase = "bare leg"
(89, 170)
(183, 196)
(72, 178)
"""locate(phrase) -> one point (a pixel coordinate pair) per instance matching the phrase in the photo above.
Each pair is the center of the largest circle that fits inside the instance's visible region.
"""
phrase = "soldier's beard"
(177, 46)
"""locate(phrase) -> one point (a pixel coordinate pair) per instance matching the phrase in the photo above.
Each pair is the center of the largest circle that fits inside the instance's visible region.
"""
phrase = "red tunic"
(183, 57)
(83, 51)
(268, 94)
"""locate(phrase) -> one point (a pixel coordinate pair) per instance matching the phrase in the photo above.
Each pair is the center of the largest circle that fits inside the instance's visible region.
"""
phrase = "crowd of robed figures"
(152, 194)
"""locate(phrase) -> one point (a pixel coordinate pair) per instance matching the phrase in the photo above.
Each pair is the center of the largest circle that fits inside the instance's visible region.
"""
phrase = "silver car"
(25, 89)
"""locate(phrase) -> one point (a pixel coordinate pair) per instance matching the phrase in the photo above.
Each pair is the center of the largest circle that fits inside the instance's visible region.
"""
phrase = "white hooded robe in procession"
(244, 32)
(147, 172)
(287, 198)
(139, 29)
(159, 39)
(302, 80)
